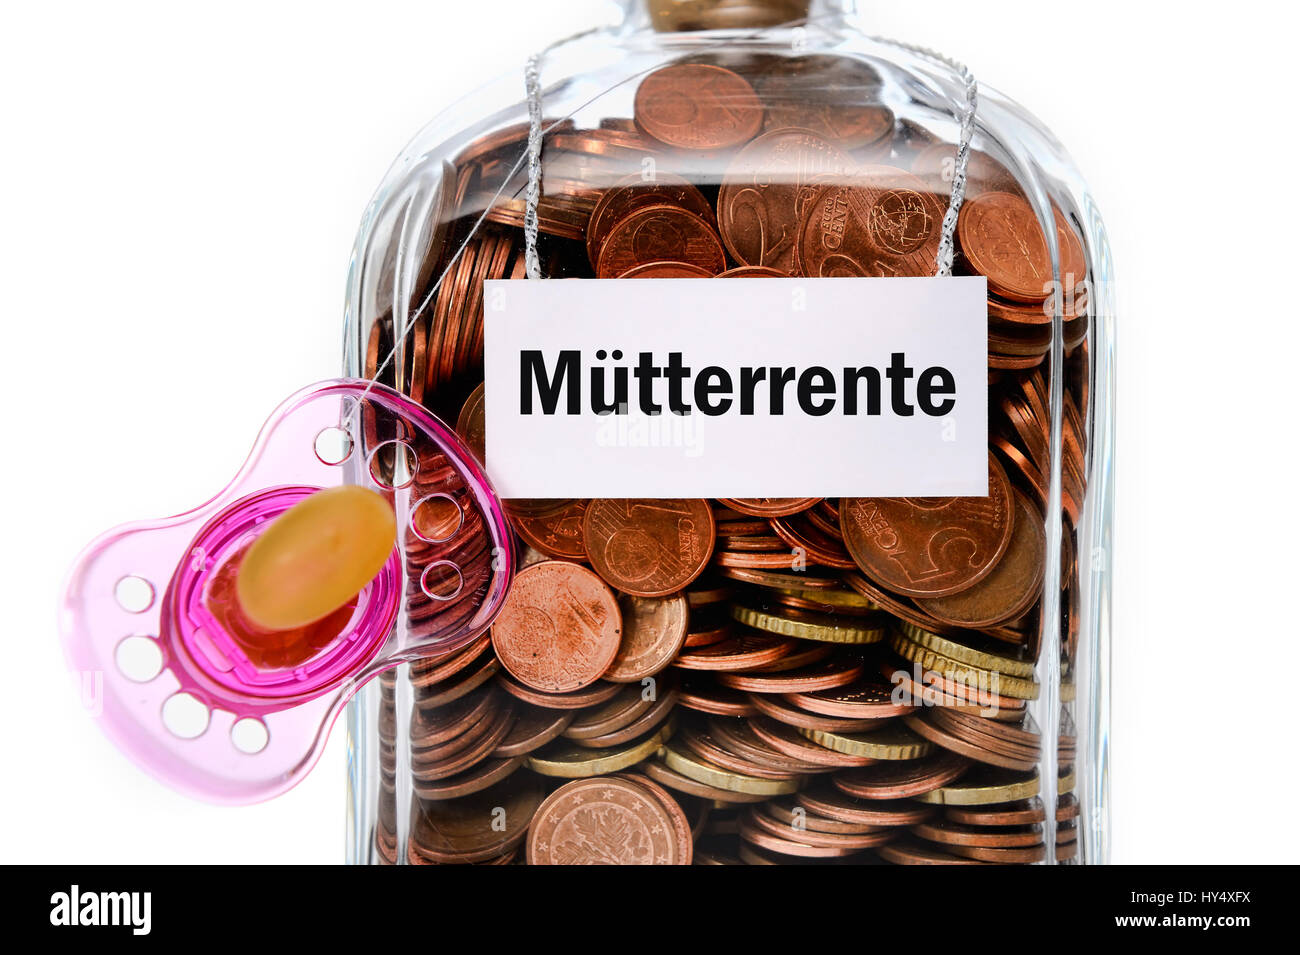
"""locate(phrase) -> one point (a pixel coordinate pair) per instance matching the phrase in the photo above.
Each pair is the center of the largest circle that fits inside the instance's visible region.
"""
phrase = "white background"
(181, 185)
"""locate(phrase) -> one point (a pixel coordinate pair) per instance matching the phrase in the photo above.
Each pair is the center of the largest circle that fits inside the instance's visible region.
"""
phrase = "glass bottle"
(442, 771)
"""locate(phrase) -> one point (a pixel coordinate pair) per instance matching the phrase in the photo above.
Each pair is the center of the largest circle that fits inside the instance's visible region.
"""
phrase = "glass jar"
(767, 710)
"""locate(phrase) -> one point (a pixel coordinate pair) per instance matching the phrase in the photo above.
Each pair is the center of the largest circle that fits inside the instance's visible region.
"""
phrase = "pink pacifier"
(197, 689)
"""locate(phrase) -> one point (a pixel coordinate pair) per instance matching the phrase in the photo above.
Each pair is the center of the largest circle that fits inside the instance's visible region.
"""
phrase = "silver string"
(533, 87)
(943, 260)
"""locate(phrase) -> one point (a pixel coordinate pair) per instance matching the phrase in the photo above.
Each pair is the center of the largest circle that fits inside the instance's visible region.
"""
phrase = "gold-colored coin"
(690, 766)
(964, 654)
(889, 742)
(849, 599)
(964, 673)
(985, 789)
(576, 762)
(1065, 782)
(824, 628)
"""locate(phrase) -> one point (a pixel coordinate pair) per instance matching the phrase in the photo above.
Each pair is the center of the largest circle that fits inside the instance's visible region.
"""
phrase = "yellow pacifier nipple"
(315, 557)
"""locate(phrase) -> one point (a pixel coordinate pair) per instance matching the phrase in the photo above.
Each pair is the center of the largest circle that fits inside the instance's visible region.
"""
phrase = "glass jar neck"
(682, 16)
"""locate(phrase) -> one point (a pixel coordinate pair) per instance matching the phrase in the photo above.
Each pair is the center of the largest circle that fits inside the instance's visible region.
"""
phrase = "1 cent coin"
(555, 535)
(660, 233)
(654, 629)
(559, 629)
(1001, 239)
(602, 821)
(648, 547)
(697, 106)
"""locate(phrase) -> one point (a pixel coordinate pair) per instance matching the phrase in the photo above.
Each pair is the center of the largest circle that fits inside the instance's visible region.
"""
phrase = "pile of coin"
(747, 680)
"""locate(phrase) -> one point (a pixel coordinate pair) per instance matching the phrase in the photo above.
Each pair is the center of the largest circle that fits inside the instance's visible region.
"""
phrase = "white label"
(761, 387)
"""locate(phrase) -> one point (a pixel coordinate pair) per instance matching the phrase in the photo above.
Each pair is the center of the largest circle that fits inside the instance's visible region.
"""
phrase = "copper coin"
(435, 670)
(831, 803)
(561, 216)
(981, 752)
(1025, 856)
(634, 192)
(956, 834)
(739, 737)
(559, 628)
(802, 535)
(648, 547)
(766, 191)
(936, 165)
(834, 96)
(786, 739)
(1067, 807)
(1024, 813)
(1074, 261)
(1014, 737)
(769, 506)
(487, 773)
(705, 633)
(900, 779)
(709, 697)
(703, 745)
(697, 106)
(666, 270)
(660, 709)
(436, 740)
(781, 711)
(475, 827)
(605, 143)
(935, 690)
(486, 740)
(708, 593)
(761, 560)
(868, 699)
(886, 225)
(849, 125)
(431, 727)
(767, 578)
(470, 424)
(615, 713)
(791, 812)
(803, 657)
(752, 272)
(602, 821)
(660, 773)
(533, 728)
(915, 852)
(555, 535)
(654, 630)
(821, 676)
(592, 695)
(930, 546)
(660, 234)
(1011, 587)
(749, 832)
(681, 824)
(900, 607)
(465, 683)
(1002, 240)
(745, 651)
(796, 832)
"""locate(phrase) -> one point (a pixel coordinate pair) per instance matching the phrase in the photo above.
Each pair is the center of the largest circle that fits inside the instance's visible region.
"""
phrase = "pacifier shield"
(225, 710)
